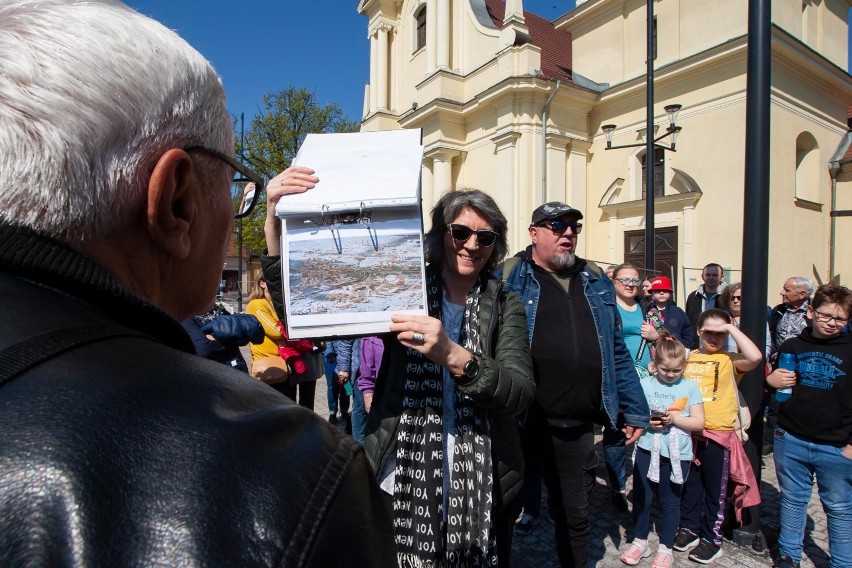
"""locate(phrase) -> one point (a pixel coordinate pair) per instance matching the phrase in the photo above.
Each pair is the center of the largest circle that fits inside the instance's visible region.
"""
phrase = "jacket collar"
(34, 256)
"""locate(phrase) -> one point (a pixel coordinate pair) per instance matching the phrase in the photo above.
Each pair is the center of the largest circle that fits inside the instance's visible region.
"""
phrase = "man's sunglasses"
(461, 234)
(625, 281)
(244, 201)
(558, 226)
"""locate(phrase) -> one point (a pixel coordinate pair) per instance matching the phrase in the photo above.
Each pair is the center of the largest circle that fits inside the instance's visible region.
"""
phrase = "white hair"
(803, 283)
(91, 95)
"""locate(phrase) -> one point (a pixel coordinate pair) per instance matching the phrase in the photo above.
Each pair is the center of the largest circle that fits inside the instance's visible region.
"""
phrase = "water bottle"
(347, 386)
(786, 361)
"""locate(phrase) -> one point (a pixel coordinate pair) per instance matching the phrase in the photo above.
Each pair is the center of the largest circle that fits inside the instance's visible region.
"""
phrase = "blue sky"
(261, 46)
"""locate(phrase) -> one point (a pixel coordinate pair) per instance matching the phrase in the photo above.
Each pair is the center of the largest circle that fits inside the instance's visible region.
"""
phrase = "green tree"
(274, 137)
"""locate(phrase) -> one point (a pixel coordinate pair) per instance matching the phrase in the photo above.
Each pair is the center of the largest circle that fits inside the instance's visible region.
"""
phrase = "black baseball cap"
(553, 210)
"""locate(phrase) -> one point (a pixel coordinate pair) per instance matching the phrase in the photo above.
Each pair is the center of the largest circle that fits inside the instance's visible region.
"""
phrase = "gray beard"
(564, 261)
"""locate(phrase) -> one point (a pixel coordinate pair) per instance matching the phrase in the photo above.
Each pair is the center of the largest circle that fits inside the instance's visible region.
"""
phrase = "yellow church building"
(513, 104)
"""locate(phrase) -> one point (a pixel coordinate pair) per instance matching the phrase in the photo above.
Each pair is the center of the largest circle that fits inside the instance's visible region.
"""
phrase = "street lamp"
(650, 142)
(672, 130)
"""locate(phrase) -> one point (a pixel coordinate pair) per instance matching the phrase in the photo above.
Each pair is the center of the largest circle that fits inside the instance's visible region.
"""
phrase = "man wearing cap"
(582, 367)
(662, 313)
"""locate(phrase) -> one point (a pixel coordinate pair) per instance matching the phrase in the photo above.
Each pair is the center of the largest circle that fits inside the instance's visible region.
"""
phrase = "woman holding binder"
(442, 431)
(447, 397)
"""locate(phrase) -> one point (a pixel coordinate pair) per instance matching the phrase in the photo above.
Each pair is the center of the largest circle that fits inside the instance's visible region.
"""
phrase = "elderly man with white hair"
(118, 445)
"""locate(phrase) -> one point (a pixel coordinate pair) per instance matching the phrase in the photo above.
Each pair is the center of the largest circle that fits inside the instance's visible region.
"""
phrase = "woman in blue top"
(626, 279)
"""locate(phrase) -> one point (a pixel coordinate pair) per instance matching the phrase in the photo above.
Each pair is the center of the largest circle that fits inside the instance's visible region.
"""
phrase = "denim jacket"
(620, 387)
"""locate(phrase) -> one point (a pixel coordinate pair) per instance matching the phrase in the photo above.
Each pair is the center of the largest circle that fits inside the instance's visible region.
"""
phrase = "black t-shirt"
(565, 351)
(820, 408)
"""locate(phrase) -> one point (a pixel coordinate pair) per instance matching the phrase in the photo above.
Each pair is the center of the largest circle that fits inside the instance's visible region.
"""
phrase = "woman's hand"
(295, 179)
(436, 345)
(781, 378)
(649, 332)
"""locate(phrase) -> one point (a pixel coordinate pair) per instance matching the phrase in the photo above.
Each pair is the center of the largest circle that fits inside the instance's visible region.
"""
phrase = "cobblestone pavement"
(609, 530)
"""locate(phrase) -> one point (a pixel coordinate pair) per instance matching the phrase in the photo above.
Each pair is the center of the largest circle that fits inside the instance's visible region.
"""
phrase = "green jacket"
(505, 387)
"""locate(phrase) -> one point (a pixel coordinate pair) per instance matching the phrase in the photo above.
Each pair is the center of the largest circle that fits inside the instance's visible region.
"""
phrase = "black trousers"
(567, 460)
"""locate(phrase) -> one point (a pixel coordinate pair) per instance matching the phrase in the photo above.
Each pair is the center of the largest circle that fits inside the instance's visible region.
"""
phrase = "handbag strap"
(27, 353)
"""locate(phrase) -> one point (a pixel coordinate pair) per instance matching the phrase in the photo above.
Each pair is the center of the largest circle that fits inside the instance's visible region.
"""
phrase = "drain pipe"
(544, 141)
(833, 171)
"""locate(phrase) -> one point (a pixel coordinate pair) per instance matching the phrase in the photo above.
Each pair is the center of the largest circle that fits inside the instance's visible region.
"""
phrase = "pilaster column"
(443, 25)
(374, 71)
(506, 150)
(427, 195)
(442, 171)
(382, 86)
(556, 148)
(576, 192)
(431, 35)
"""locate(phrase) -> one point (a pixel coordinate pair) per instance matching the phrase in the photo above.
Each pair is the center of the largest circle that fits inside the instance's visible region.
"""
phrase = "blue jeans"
(334, 390)
(796, 463)
(359, 414)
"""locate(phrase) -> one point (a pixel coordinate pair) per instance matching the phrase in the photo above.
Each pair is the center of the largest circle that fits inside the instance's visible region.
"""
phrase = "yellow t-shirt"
(264, 312)
(714, 374)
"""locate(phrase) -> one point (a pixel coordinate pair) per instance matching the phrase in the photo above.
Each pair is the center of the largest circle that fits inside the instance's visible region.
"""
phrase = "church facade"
(513, 104)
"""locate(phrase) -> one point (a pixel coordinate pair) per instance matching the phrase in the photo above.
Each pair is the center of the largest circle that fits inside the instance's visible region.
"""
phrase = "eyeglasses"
(736, 298)
(825, 318)
(558, 226)
(244, 201)
(461, 234)
(625, 281)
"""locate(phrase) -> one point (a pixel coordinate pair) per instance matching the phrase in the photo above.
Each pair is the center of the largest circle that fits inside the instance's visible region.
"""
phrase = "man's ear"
(172, 203)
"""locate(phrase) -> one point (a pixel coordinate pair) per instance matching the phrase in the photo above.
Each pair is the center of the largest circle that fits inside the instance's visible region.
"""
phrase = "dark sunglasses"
(461, 233)
(244, 202)
(558, 226)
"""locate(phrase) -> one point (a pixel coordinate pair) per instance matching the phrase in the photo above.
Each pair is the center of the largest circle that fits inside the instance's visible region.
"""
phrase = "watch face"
(471, 368)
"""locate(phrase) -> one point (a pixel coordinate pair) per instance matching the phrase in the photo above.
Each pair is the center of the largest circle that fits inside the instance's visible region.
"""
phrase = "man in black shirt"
(582, 369)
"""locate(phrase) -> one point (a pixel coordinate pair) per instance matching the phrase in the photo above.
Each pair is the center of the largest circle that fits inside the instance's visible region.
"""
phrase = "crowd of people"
(121, 446)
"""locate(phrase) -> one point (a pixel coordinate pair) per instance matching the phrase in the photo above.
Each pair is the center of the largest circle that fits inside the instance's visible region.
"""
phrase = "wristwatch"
(470, 370)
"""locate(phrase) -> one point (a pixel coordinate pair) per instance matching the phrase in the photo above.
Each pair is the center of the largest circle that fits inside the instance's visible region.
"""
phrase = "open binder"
(352, 247)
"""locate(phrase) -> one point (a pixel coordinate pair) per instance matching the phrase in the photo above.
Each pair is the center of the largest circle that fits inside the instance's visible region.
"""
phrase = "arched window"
(659, 172)
(807, 168)
(420, 19)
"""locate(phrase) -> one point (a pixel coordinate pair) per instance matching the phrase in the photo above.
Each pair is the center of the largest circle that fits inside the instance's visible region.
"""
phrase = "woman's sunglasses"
(461, 234)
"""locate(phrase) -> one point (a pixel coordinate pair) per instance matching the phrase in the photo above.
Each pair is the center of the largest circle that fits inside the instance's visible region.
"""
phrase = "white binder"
(352, 247)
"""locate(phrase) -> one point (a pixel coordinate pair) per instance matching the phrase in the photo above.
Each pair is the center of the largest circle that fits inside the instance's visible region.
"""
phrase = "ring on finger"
(418, 338)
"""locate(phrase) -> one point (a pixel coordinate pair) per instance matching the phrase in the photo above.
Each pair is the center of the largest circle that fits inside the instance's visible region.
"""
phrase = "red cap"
(661, 284)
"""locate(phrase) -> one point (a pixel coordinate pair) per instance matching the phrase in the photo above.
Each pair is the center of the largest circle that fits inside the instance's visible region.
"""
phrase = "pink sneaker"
(634, 554)
(663, 560)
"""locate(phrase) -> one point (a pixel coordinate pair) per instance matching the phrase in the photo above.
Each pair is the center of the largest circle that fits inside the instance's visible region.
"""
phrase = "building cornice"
(666, 203)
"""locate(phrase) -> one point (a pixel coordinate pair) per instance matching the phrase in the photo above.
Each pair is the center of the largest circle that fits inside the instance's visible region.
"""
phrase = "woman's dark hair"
(713, 313)
(668, 347)
(725, 296)
(450, 206)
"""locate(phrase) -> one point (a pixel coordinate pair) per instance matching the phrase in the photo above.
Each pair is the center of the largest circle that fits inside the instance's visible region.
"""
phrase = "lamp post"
(650, 143)
(240, 225)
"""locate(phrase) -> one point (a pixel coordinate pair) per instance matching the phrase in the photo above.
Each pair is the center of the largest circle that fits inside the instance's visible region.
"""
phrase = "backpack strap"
(27, 353)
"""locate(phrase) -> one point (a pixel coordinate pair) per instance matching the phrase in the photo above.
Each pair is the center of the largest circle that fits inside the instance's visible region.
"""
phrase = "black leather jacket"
(133, 451)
